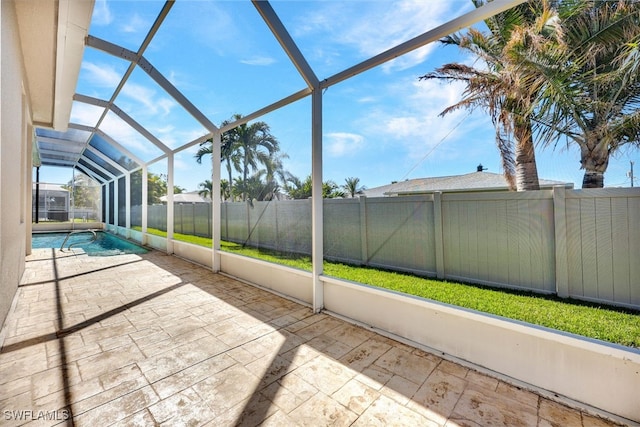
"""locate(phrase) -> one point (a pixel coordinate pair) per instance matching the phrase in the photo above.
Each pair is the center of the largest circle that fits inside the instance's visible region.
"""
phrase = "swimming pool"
(105, 245)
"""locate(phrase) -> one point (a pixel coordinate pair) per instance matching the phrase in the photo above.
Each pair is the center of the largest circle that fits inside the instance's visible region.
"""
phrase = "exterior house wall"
(14, 160)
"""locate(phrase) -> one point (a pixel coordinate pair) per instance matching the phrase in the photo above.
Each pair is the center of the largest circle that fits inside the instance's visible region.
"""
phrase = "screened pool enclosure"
(155, 91)
(145, 104)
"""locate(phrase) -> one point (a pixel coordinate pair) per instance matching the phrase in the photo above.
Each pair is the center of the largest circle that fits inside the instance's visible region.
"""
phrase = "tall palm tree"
(501, 86)
(228, 153)
(593, 96)
(255, 145)
(246, 147)
(352, 186)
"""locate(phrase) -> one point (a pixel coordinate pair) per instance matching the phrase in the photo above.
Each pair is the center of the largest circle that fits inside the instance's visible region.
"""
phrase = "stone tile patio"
(155, 340)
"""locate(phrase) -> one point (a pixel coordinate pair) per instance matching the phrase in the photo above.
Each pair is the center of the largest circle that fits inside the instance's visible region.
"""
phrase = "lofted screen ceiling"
(142, 96)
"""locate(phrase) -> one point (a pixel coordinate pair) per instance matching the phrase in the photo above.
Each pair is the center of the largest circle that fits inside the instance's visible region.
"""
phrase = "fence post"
(363, 230)
(437, 232)
(560, 227)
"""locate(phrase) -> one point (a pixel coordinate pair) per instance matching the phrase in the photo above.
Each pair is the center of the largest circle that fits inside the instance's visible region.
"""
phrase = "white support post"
(216, 199)
(127, 201)
(170, 203)
(116, 207)
(145, 206)
(317, 247)
(107, 205)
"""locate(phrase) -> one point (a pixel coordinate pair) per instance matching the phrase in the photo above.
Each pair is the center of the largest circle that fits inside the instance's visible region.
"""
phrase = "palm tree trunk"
(230, 182)
(526, 168)
(594, 159)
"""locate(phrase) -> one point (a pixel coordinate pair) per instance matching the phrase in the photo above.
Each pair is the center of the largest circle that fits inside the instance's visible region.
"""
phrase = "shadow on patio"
(153, 339)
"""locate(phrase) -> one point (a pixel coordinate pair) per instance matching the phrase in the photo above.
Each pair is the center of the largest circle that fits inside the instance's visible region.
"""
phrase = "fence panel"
(237, 222)
(202, 219)
(400, 233)
(603, 245)
(342, 230)
(183, 222)
(294, 226)
(136, 216)
(157, 217)
(500, 238)
(263, 224)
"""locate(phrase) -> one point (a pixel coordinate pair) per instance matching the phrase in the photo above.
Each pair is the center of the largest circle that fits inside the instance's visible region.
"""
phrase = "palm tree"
(255, 188)
(225, 190)
(593, 96)
(298, 189)
(501, 85)
(245, 147)
(275, 174)
(352, 187)
(206, 188)
(228, 153)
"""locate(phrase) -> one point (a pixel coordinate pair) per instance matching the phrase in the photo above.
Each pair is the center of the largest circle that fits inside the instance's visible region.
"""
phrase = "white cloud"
(415, 125)
(85, 114)
(151, 102)
(101, 74)
(259, 60)
(222, 35)
(135, 24)
(375, 28)
(343, 144)
(101, 13)
(367, 99)
(128, 137)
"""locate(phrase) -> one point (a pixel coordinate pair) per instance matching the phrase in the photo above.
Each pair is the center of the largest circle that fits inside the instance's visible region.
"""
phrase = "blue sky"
(380, 126)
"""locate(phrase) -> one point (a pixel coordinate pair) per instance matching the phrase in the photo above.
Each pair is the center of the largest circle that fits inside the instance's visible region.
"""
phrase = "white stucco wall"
(13, 160)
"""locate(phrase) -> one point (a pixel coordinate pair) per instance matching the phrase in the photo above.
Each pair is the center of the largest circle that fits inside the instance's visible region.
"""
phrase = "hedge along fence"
(575, 243)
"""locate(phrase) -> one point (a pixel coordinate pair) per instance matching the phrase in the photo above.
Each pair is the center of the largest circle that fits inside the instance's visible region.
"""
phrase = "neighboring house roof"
(475, 181)
(190, 197)
(50, 187)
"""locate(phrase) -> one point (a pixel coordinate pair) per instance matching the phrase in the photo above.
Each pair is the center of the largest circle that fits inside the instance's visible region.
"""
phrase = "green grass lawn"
(602, 322)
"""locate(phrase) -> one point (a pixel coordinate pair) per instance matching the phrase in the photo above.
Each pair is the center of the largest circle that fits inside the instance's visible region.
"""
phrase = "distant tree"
(136, 188)
(255, 188)
(205, 189)
(225, 190)
(298, 189)
(177, 189)
(156, 188)
(228, 152)
(84, 191)
(246, 147)
(352, 187)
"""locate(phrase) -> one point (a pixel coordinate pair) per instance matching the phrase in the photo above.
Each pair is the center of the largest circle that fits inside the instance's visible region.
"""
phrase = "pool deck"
(154, 340)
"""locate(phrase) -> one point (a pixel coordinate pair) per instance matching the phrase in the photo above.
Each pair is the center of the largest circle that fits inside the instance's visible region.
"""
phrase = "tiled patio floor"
(152, 339)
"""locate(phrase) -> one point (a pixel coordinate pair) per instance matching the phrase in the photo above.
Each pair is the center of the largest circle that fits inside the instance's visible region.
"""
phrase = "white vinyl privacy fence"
(575, 243)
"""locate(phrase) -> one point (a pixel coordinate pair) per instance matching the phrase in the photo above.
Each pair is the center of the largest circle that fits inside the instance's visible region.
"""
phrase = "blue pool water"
(105, 245)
